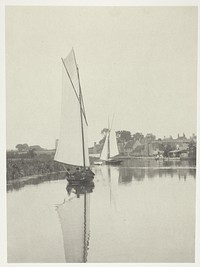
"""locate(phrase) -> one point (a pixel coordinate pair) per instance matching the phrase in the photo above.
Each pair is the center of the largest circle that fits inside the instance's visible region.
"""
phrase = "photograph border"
(3, 211)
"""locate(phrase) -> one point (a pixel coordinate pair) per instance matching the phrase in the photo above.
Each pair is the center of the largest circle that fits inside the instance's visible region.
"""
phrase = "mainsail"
(104, 153)
(113, 144)
(72, 145)
(110, 148)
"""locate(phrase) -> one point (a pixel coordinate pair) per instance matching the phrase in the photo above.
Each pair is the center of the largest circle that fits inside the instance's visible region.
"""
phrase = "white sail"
(70, 145)
(113, 144)
(104, 153)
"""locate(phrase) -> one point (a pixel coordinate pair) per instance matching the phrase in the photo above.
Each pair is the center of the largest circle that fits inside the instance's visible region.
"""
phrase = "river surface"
(141, 211)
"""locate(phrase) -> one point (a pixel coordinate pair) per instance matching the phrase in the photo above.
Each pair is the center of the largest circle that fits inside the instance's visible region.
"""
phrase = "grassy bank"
(38, 165)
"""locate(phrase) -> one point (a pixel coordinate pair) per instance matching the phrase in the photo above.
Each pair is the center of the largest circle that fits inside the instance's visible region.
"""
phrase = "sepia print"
(101, 134)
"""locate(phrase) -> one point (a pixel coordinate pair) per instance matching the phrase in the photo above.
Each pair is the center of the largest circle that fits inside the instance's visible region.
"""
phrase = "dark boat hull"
(113, 162)
(83, 180)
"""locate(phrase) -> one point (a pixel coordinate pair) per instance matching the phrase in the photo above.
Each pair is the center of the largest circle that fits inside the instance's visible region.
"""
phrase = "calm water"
(142, 211)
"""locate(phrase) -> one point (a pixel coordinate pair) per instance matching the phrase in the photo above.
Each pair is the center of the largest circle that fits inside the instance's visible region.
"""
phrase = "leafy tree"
(150, 137)
(22, 147)
(161, 147)
(104, 131)
(124, 135)
(25, 147)
(167, 149)
(138, 136)
(19, 147)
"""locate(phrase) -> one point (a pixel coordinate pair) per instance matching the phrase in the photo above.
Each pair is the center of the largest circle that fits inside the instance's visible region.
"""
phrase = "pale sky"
(139, 63)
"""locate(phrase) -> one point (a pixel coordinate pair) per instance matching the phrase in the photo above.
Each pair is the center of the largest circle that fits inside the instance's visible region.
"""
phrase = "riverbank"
(151, 158)
(154, 158)
(40, 165)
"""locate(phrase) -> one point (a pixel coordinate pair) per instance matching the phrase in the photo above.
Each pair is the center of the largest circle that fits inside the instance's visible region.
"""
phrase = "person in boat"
(89, 172)
(77, 174)
(83, 173)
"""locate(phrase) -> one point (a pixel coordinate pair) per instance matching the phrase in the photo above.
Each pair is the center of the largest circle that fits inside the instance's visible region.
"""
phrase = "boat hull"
(113, 162)
(83, 180)
(98, 163)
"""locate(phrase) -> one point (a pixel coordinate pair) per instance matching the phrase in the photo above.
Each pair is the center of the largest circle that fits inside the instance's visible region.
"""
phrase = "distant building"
(179, 143)
(95, 151)
(134, 148)
(148, 145)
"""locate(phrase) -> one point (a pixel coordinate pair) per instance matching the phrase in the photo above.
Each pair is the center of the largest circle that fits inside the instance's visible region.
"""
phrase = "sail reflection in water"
(74, 216)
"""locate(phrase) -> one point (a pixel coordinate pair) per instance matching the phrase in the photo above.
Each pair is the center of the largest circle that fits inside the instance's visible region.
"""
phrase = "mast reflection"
(74, 216)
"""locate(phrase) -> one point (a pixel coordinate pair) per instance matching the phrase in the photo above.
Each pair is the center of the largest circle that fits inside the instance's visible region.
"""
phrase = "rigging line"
(79, 82)
(81, 113)
(108, 124)
(81, 95)
(108, 153)
(74, 90)
(108, 145)
(112, 121)
(82, 131)
(83, 103)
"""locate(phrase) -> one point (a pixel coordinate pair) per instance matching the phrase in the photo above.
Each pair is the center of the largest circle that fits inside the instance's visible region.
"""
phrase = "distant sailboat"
(110, 148)
(72, 148)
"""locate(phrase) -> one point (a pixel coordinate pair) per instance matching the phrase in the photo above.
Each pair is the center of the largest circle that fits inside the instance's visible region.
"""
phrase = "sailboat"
(110, 148)
(72, 147)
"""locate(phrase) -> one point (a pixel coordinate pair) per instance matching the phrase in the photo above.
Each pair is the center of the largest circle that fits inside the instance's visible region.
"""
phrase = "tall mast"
(81, 113)
(108, 139)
